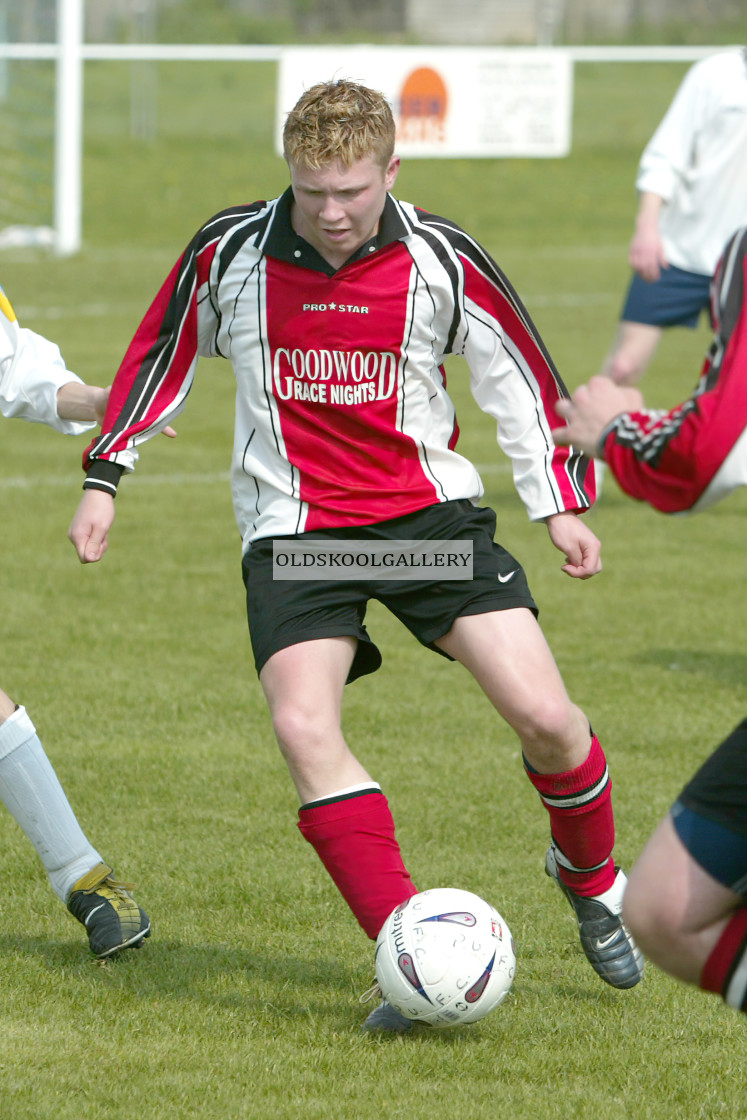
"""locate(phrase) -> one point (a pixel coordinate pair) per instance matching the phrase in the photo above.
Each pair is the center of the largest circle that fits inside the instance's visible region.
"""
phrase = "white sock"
(30, 790)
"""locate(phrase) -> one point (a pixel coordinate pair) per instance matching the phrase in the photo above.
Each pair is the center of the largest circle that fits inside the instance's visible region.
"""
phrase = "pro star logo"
(339, 308)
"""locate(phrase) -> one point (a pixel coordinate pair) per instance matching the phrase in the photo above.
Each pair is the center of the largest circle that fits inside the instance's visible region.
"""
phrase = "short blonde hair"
(339, 122)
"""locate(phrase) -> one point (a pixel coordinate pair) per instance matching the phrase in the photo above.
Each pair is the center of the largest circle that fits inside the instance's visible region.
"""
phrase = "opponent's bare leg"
(7, 707)
(632, 350)
(676, 911)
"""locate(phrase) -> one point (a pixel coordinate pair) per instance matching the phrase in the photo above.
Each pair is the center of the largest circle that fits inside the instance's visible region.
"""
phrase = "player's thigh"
(668, 890)
(508, 655)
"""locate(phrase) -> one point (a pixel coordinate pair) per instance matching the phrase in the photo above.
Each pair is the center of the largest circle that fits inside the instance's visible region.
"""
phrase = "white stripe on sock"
(737, 989)
(371, 787)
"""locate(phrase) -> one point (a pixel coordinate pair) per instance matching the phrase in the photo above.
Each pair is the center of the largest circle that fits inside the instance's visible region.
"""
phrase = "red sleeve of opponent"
(692, 440)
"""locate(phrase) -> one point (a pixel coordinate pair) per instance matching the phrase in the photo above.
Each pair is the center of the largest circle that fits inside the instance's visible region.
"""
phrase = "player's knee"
(550, 728)
(625, 368)
(298, 728)
(647, 916)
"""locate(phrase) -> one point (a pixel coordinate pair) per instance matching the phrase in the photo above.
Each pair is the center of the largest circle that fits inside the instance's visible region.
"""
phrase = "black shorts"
(710, 815)
(284, 613)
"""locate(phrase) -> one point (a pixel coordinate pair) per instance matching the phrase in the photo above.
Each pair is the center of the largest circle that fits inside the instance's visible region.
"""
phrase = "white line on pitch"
(208, 478)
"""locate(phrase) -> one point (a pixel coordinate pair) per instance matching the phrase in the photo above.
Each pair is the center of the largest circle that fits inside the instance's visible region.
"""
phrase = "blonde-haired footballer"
(337, 305)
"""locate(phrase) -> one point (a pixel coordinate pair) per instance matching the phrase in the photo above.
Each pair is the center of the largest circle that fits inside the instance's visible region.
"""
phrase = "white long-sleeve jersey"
(342, 411)
(31, 374)
(697, 162)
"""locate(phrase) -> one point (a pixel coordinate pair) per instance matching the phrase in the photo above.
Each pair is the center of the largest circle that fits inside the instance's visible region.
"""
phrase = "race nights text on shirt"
(334, 376)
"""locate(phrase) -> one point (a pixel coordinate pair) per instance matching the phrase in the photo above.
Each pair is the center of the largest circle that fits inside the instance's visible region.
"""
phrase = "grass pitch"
(138, 674)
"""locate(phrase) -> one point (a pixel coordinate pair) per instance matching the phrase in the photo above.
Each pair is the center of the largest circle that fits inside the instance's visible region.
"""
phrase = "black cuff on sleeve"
(103, 475)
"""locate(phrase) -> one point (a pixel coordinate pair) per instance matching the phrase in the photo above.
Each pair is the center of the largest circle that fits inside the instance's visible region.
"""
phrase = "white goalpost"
(68, 154)
(68, 53)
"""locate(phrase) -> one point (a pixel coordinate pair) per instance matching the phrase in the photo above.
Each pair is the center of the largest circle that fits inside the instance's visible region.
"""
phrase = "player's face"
(336, 209)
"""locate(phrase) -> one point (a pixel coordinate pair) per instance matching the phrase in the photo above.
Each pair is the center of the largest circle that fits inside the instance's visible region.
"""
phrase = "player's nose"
(331, 211)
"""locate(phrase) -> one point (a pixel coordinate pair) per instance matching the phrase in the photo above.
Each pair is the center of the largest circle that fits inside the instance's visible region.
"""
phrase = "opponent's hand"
(101, 401)
(647, 255)
(581, 548)
(90, 527)
(590, 409)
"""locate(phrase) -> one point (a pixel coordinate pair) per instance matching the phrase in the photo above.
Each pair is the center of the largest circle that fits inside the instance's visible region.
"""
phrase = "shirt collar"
(285, 244)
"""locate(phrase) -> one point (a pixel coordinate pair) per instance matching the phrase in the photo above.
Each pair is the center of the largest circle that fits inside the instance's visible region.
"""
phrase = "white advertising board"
(450, 101)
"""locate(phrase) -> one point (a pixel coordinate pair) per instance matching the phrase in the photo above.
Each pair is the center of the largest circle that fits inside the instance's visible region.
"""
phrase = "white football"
(445, 957)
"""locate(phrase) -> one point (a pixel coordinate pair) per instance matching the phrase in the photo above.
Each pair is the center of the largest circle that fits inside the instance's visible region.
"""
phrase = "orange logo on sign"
(423, 106)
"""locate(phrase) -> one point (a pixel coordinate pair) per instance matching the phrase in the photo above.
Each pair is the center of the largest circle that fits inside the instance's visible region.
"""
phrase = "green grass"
(139, 677)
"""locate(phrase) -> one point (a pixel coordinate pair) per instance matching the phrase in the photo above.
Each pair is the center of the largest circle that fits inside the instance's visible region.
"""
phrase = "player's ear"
(391, 172)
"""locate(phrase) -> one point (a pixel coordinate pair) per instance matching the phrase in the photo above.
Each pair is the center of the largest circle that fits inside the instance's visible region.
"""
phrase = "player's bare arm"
(90, 527)
(76, 401)
(581, 548)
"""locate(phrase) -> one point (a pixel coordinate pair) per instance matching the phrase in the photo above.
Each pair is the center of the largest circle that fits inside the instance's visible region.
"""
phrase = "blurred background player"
(338, 276)
(692, 188)
(36, 386)
(686, 901)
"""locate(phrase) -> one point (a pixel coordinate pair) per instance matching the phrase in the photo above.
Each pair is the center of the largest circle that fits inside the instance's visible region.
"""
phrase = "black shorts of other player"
(283, 613)
(710, 815)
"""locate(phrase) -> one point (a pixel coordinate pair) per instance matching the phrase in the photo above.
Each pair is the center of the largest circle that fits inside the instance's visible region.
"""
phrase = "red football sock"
(354, 839)
(583, 828)
(725, 971)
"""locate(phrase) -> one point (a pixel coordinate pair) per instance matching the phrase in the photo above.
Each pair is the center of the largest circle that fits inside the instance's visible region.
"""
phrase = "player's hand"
(590, 409)
(101, 399)
(90, 527)
(646, 255)
(582, 550)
